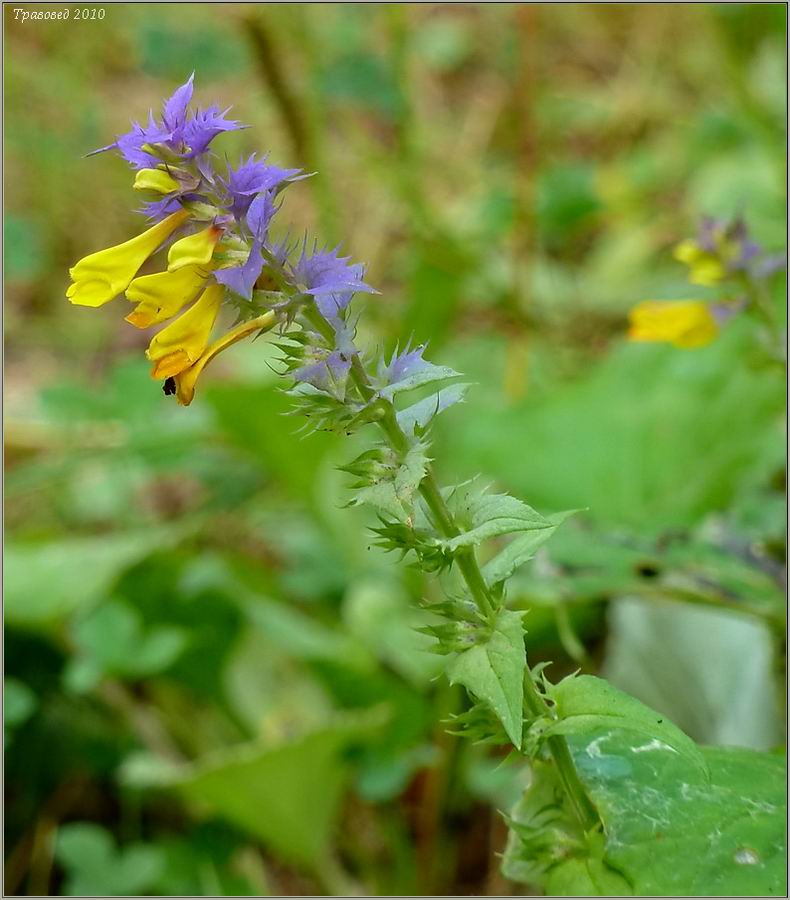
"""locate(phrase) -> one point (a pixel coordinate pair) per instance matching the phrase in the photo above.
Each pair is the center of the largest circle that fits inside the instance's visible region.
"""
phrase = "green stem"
(561, 754)
(470, 571)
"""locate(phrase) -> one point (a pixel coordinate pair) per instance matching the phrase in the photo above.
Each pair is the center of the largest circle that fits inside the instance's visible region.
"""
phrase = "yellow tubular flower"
(683, 323)
(157, 180)
(181, 343)
(101, 276)
(194, 250)
(162, 295)
(185, 380)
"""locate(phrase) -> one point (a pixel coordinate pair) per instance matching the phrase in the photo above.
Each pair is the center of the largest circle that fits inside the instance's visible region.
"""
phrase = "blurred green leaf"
(269, 435)
(727, 695)
(45, 582)
(651, 438)
(19, 704)
(443, 43)
(113, 641)
(170, 49)
(96, 867)
(288, 796)
(384, 619)
(435, 285)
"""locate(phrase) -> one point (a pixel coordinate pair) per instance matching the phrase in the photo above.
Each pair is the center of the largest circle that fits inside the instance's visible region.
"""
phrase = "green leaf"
(45, 582)
(584, 703)
(521, 550)
(112, 640)
(484, 516)
(96, 867)
(667, 831)
(394, 495)
(725, 837)
(419, 414)
(288, 795)
(494, 672)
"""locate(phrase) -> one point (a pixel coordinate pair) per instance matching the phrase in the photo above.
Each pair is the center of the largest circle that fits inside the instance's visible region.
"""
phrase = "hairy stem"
(470, 571)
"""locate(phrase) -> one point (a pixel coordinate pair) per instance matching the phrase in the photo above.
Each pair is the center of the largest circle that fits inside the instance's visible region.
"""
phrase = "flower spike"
(216, 231)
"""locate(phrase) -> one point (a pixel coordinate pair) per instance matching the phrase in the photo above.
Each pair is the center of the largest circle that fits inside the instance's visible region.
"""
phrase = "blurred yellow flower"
(195, 249)
(157, 180)
(180, 344)
(99, 277)
(684, 323)
(183, 384)
(162, 295)
(706, 268)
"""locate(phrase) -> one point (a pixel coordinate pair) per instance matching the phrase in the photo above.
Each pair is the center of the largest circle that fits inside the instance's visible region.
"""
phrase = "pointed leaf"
(488, 515)
(494, 672)
(420, 414)
(521, 550)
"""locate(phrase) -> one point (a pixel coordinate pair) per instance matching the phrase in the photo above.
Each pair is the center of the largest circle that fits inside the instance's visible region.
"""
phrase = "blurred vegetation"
(213, 683)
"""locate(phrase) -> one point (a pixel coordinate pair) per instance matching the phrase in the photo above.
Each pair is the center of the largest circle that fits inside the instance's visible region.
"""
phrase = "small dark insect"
(169, 387)
(647, 570)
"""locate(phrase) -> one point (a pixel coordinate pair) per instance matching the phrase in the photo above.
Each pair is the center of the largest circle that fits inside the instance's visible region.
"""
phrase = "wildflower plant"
(211, 228)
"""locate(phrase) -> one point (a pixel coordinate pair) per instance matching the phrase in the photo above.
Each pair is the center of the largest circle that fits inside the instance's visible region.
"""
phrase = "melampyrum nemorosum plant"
(212, 228)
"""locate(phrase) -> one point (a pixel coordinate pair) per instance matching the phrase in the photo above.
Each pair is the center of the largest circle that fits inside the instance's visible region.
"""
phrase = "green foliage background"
(214, 684)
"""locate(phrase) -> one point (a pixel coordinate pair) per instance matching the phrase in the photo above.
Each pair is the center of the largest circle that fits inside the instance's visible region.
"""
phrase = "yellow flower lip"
(161, 295)
(181, 343)
(140, 318)
(684, 323)
(158, 180)
(186, 379)
(195, 249)
(101, 276)
(171, 365)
